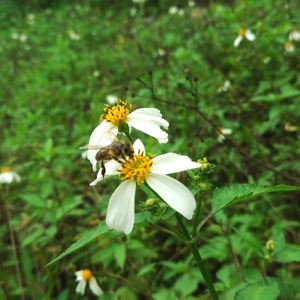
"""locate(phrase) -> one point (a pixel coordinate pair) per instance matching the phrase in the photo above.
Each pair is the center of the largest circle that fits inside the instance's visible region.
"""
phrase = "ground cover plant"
(220, 82)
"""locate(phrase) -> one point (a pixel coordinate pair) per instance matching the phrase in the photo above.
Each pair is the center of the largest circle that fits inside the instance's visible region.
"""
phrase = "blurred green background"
(59, 61)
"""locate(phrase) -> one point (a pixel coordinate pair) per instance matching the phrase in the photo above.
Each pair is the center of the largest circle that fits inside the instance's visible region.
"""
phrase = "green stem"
(198, 258)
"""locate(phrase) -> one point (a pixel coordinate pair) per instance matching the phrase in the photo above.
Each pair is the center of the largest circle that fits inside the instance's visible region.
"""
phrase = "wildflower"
(83, 277)
(222, 132)
(243, 33)
(270, 245)
(73, 35)
(8, 176)
(289, 46)
(147, 120)
(289, 127)
(138, 169)
(294, 35)
(111, 99)
(224, 87)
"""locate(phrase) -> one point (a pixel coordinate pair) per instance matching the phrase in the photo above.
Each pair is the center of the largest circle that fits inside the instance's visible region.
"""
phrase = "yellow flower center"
(116, 114)
(136, 168)
(242, 32)
(5, 169)
(86, 274)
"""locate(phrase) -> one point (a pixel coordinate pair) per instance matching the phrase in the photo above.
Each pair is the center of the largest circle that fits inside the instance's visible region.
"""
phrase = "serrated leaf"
(258, 292)
(290, 253)
(239, 192)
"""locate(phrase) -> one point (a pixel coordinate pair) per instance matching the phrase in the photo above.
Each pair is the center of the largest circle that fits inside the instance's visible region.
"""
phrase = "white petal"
(152, 114)
(294, 35)
(81, 287)
(147, 126)
(94, 286)
(138, 147)
(249, 35)
(111, 168)
(103, 135)
(172, 163)
(120, 211)
(237, 41)
(78, 275)
(174, 193)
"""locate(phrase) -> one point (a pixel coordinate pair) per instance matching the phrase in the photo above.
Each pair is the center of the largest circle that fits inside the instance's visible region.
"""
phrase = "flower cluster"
(133, 166)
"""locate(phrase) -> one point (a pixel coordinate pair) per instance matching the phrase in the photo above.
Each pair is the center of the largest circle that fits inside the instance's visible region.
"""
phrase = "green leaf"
(100, 230)
(290, 253)
(258, 292)
(239, 192)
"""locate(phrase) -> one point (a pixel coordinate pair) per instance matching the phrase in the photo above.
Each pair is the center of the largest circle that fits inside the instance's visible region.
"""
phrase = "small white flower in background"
(8, 176)
(243, 33)
(294, 35)
(85, 277)
(96, 73)
(111, 99)
(224, 87)
(30, 19)
(147, 120)
(21, 37)
(191, 3)
(289, 127)
(222, 132)
(152, 170)
(289, 46)
(74, 36)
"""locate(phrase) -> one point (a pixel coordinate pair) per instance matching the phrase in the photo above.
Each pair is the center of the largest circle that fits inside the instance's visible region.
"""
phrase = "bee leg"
(118, 160)
(103, 168)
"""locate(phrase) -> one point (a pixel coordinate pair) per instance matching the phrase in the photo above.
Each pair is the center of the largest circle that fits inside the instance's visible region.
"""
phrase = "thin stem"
(14, 245)
(198, 258)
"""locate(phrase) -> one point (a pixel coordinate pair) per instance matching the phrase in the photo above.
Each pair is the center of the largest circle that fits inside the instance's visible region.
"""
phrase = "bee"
(117, 150)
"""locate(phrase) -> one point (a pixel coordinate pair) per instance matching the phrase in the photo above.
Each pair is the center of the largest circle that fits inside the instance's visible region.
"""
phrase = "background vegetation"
(60, 60)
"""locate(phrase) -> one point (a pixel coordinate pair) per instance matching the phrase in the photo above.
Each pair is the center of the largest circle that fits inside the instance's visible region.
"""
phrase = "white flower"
(8, 176)
(111, 99)
(147, 120)
(289, 46)
(83, 277)
(222, 132)
(224, 87)
(140, 168)
(244, 33)
(173, 10)
(73, 35)
(294, 35)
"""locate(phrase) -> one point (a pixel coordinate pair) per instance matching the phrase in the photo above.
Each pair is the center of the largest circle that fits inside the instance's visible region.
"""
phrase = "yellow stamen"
(136, 168)
(116, 114)
(242, 32)
(5, 169)
(86, 274)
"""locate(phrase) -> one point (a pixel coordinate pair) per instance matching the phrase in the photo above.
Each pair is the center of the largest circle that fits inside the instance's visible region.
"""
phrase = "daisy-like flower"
(8, 176)
(294, 35)
(139, 169)
(147, 120)
(243, 33)
(83, 277)
(225, 87)
(289, 46)
(222, 132)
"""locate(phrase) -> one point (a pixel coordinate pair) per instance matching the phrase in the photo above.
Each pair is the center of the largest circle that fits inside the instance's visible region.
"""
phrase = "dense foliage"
(60, 61)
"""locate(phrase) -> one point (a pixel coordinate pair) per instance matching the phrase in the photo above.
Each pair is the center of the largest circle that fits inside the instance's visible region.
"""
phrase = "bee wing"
(90, 147)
